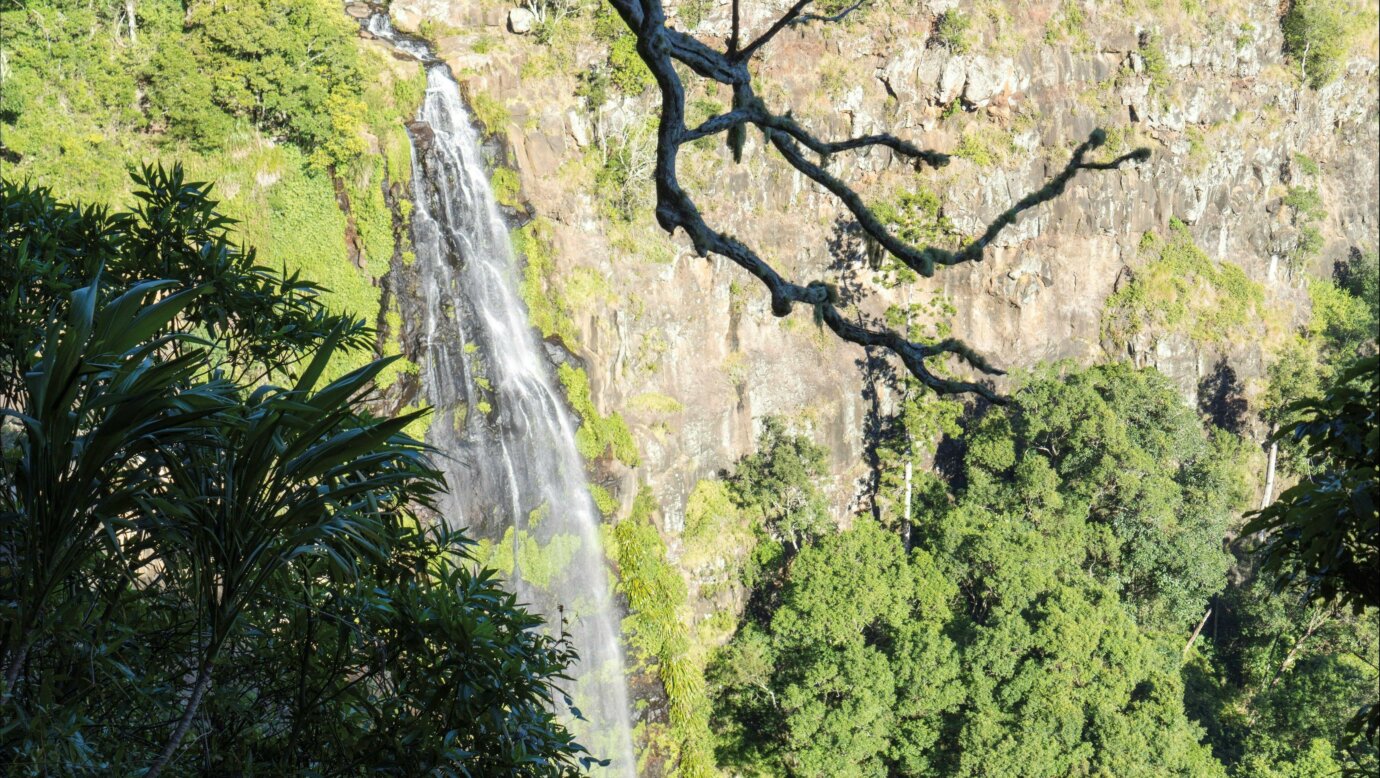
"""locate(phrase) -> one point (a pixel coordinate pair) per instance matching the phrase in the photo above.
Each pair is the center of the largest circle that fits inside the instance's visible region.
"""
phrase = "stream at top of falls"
(504, 435)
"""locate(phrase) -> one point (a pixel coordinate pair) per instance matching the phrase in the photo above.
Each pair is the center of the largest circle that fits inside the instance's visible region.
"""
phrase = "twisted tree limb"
(661, 47)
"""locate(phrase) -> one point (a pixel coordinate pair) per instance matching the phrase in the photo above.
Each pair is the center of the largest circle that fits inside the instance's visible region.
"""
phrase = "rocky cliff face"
(685, 347)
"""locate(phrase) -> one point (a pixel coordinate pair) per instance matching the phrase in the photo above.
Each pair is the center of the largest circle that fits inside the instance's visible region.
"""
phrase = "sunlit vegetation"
(1179, 289)
(1318, 36)
(546, 308)
(1041, 620)
(658, 630)
(598, 435)
(82, 103)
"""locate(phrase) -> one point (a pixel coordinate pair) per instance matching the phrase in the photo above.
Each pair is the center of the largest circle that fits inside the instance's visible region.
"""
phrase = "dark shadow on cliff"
(1221, 398)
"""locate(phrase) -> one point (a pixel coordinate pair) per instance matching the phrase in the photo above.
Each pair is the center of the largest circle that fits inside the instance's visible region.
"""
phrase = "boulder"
(521, 21)
(951, 80)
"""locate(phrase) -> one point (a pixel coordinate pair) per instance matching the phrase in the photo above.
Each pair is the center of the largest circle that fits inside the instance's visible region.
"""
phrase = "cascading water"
(507, 438)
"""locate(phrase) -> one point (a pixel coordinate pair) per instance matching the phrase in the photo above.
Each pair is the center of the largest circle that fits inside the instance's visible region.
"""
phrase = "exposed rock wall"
(1216, 103)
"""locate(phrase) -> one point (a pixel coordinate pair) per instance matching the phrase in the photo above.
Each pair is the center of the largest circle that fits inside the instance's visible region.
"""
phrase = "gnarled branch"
(661, 47)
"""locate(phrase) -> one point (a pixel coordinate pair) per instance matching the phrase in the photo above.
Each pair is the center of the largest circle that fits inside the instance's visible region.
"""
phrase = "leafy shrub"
(546, 307)
(1307, 164)
(627, 71)
(1306, 202)
(1315, 35)
(951, 31)
(657, 606)
(651, 402)
(175, 416)
(1182, 290)
(985, 145)
(1156, 66)
(506, 187)
(598, 434)
(491, 113)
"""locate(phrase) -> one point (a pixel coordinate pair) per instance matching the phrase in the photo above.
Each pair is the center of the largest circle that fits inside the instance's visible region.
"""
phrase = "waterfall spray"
(506, 437)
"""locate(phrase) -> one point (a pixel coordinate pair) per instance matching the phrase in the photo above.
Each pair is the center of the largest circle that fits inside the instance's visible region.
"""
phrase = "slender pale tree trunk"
(12, 671)
(1194, 637)
(1314, 624)
(203, 682)
(133, 27)
(905, 523)
(1270, 473)
(910, 453)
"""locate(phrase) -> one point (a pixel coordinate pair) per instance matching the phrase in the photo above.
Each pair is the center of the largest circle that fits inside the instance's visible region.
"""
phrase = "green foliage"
(1315, 36)
(539, 562)
(917, 218)
(914, 434)
(1025, 639)
(692, 12)
(433, 30)
(1068, 25)
(1278, 687)
(778, 485)
(206, 538)
(951, 29)
(1360, 276)
(651, 402)
(622, 179)
(985, 145)
(1308, 246)
(1342, 327)
(1156, 66)
(491, 113)
(1307, 204)
(1341, 322)
(603, 500)
(289, 68)
(1307, 164)
(657, 627)
(506, 187)
(269, 99)
(303, 209)
(1118, 447)
(1326, 529)
(853, 672)
(627, 71)
(1182, 290)
(598, 435)
(546, 309)
(710, 512)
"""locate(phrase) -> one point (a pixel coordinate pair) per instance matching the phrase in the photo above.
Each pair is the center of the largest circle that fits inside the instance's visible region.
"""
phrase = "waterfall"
(506, 437)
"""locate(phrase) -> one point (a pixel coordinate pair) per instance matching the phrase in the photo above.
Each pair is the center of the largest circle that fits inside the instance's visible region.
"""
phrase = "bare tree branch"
(661, 47)
(838, 17)
(777, 26)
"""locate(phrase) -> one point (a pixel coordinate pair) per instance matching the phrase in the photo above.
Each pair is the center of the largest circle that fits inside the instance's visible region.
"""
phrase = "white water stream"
(502, 426)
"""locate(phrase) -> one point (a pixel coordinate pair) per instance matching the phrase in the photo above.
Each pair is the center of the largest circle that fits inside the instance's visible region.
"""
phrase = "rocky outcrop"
(1213, 99)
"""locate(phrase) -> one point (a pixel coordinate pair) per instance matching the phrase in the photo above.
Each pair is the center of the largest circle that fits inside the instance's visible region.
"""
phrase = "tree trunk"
(203, 682)
(1270, 472)
(12, 671)
(905, 523)
(1192, 638)
(1320, 618)
(129, 16)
